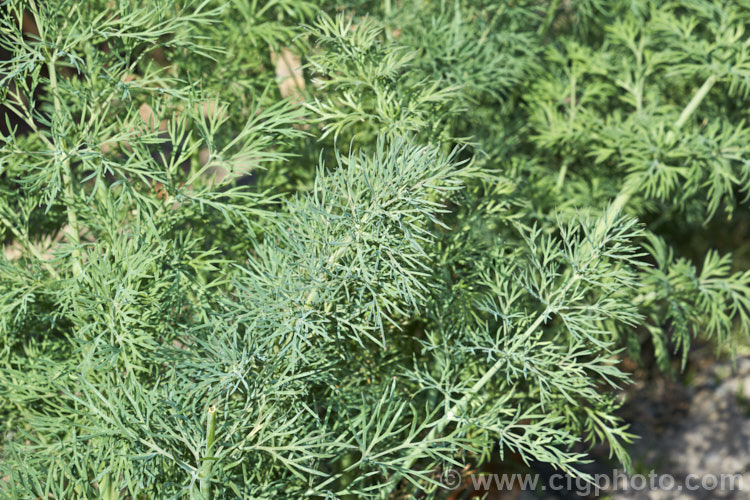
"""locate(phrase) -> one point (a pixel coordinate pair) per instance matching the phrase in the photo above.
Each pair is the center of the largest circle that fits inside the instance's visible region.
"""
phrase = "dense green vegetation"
(430, 246)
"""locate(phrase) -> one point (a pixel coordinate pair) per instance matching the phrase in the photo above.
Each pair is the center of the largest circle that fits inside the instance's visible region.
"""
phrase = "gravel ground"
(702, 429)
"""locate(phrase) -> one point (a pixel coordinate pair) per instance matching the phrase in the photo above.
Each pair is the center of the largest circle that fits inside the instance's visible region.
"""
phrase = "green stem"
(204, 474)
(561, 177)
(74, 235)
(630, 188)
(107, 489)
(695, 101)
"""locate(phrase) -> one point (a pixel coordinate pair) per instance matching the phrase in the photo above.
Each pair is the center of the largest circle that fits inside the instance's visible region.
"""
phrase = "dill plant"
(433, 255)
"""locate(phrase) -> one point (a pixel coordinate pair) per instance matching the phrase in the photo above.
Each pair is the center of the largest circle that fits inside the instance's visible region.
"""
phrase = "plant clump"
(330, 248)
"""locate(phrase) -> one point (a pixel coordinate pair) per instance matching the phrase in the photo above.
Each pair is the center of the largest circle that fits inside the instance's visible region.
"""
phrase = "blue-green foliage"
(440, 246)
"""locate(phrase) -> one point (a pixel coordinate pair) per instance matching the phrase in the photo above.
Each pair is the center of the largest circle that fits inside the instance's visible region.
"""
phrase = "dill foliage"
(434, 252)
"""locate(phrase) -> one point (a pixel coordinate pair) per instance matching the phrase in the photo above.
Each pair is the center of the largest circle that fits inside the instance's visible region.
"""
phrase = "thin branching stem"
(74, 232)
(631, 187)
